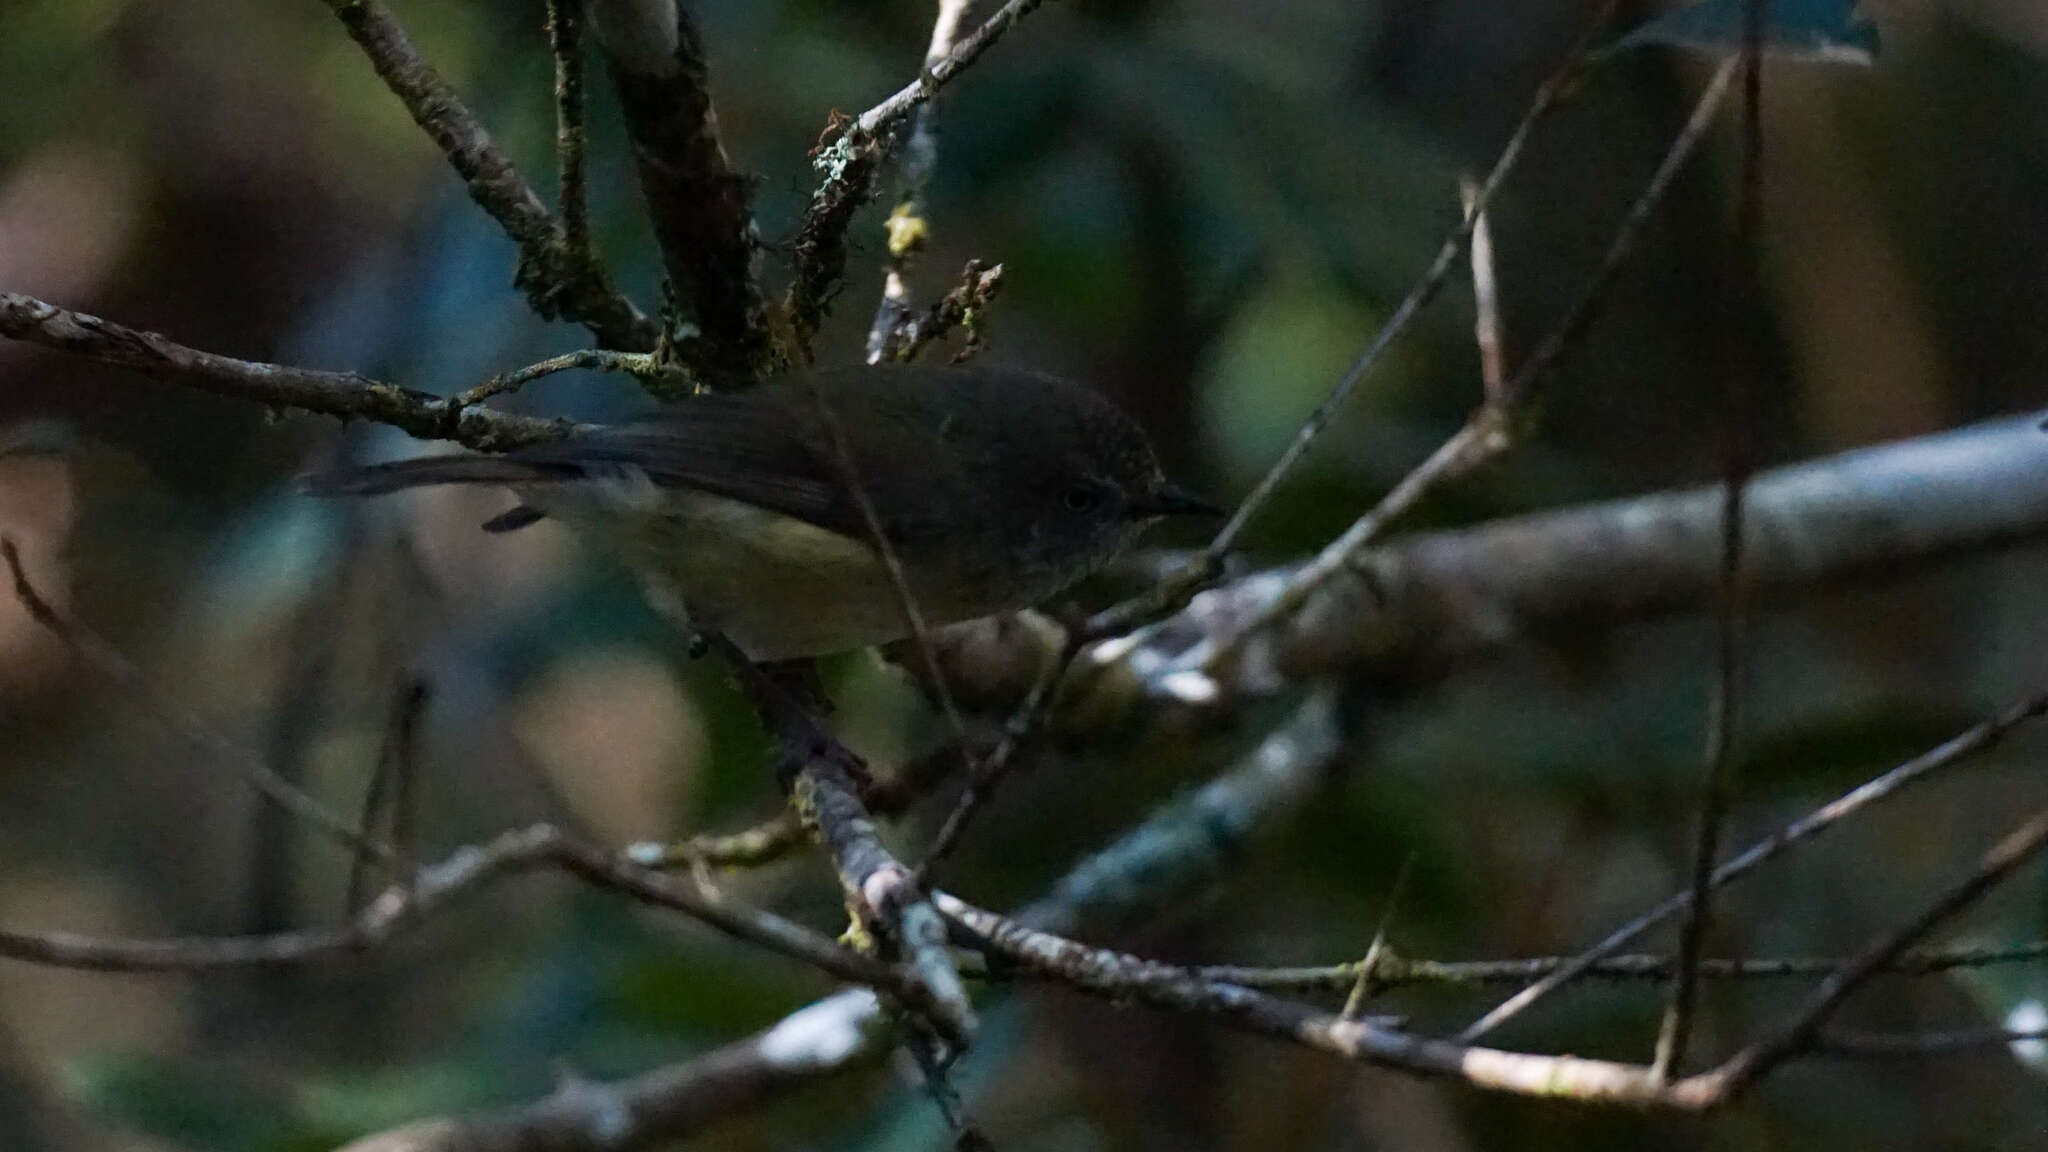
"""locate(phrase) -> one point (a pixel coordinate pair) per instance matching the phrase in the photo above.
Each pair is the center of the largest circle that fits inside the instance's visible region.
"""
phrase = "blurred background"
(1206, 208)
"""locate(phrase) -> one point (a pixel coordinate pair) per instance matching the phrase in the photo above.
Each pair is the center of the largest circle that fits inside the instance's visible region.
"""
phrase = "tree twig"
(698, 204)
(393, 789)
(907, 227)
(1433, 279)
(1173, 854)
(1489, 432)
(1981, 737)
(849, 164)
(535, 847)
(1101, 972)
(342, 394)
(1392, 970)
(108, 661)
(565, 43)
(556, 281)
(2018, 847)
(1737, 432)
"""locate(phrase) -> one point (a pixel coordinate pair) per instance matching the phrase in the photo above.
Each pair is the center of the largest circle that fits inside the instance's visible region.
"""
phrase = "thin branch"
(849, 165)
(1747, 1066)
(555, 280)
(824, 1040)
(1433, 279)
(899, 584)
(393, 790)
(647, 367)
(965, 307)
(776, 836)
(1390, 970)
(342, 394)
(1881, 1044)
(1175, 853)
(1122, 977)
(1980, 738)
(400, 907)
(824, 791)
(697, 203)
(106, 660)
(1368, 968)
(908, 230)
(1101, 972)
(565, 43)
(1737, 435)
(1419, 607)
(1018, 731)
(1486, 325)
(1488, 433)
(885, 892)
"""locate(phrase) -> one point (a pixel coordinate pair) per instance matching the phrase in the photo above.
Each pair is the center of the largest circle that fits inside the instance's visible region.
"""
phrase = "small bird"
(996, 488)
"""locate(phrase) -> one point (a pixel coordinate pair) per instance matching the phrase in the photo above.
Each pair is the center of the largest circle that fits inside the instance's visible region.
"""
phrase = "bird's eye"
(1081, 498)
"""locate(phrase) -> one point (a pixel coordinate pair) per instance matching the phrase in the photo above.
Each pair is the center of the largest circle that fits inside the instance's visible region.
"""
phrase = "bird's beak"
(1173, 500)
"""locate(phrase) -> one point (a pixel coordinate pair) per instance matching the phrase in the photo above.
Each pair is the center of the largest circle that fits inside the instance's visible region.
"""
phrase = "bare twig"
(1368, 968)
(697, 203)
(1753, 1062)
(536, 847)
(964, 308)
(1488, 433)
(1725, 708)
(393, 789)
(1102, 972)
(557, 280)
(1022, 726)
(879, 890)
(342, 394)
(1433, 279)
(1392, 970)
(823, 1040)
(1982, 737)
(105, 659)
(774, 837)
(885, 893)
(907, 227)
(1486, 326)
(1840, 1042)
(1419, 607)
(849, 164)
(565, 42)
(1173, 854)
(899, 584)
(656, 375)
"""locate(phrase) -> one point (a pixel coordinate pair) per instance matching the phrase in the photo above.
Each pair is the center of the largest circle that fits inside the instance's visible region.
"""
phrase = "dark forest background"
(1205, 208)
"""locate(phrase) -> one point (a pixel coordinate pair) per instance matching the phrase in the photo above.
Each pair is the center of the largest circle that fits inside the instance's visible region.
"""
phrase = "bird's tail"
(377, 479)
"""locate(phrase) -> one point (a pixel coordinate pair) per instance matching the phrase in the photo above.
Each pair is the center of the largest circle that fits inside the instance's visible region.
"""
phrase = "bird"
(996, 488)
